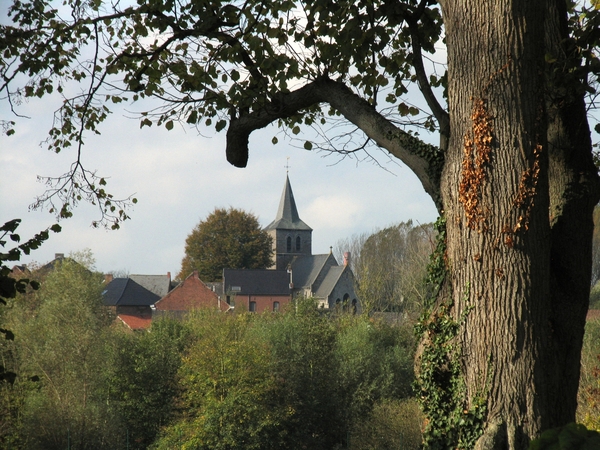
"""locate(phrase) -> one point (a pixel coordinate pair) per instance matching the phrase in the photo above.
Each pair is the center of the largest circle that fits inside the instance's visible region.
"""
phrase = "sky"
(180, 176)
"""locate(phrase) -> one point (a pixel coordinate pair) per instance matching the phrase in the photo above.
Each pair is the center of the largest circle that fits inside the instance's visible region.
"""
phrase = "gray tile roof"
(306, 269)
(158, 284)
(287, 215)
(330, 281)
(126, 292)
(256, 281)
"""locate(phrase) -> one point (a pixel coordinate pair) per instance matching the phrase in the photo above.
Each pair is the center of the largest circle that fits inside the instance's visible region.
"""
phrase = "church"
(295, 271)
(137, 300)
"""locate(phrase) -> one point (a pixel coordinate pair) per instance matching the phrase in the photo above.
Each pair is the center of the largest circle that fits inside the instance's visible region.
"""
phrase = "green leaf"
(169, 125)
(221, 124)
(308, 145)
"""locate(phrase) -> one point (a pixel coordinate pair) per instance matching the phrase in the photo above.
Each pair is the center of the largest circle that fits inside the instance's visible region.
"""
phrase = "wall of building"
(264, 303)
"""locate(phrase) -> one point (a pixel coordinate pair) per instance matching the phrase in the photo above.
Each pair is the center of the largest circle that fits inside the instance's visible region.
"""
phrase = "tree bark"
(520, 276)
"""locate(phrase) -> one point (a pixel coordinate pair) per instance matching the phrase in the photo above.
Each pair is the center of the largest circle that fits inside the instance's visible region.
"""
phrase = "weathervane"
(287, 166)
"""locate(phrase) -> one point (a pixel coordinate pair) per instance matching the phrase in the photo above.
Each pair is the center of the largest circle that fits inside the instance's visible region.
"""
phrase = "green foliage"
(226, 239)
(391, 425)
(142, 379)
(596, 249)
(390, 266)
(588, 410)
(60, 346)
(451, 422)
(375, 363)
(227, 386)
(11, 395)
(569, 437)
(303, 345)
(209, 63)
(285, 381)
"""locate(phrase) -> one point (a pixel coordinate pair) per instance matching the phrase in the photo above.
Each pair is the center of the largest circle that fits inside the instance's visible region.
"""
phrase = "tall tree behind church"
(226, 239)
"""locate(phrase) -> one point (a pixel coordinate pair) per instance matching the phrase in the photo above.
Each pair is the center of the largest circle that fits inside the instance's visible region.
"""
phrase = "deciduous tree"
(513, 175)
(226, 239)
(390, 265)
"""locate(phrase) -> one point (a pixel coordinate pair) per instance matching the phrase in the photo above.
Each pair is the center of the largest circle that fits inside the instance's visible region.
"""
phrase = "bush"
(588, 411)
(392, 424)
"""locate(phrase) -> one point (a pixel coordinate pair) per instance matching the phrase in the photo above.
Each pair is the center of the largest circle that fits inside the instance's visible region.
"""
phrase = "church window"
(345, 304)
(298, 243)
(289, 244)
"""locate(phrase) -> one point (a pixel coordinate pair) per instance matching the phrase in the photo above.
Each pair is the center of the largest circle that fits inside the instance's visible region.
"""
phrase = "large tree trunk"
(518, 274)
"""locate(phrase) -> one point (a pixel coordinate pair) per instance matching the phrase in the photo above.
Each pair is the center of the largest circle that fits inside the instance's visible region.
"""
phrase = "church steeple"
(291, 236)
(287, 215)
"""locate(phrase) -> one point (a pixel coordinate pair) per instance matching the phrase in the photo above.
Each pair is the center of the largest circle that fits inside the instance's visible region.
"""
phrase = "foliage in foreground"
(281, 381)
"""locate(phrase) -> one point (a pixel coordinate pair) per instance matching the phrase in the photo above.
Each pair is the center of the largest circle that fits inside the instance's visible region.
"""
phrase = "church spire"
(292, 238)
(287, 215)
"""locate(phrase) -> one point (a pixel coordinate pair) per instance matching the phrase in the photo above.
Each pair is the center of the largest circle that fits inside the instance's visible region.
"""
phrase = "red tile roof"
(136, 322)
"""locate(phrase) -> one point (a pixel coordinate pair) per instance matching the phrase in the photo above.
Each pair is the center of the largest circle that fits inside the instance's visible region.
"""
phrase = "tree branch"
(438, 111)
(423, 159)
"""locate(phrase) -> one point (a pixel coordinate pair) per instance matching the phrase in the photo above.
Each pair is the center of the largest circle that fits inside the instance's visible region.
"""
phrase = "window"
(298, 243)
(345, 304)
(275, 306)
(252, 306)
(289, 244)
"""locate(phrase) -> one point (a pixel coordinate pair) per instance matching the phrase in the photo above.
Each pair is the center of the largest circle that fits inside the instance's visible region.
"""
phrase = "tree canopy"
(226, 239)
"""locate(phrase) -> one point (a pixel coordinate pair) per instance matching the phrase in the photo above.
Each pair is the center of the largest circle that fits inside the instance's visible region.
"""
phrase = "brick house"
(257, 290)
(188, 295)
(131, 298)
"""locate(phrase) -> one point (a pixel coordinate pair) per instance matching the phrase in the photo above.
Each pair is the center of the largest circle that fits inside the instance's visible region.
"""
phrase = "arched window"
(252, 306)
(275, 306)
(289, 244)
(298, 243)
(345, 304)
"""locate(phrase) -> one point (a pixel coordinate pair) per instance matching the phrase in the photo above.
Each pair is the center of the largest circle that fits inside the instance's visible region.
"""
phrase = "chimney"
(346, 259)
(169, 275)
(108, 277)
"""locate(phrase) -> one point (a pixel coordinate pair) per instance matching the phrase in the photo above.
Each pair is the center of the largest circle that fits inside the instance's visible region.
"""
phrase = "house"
(257, 290)
(131, 298)
(304, 274)
(190, 294)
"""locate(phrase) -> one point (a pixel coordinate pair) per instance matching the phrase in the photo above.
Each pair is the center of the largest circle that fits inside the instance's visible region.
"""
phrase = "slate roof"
(137, 290)
(256, 281)
(158, 284)
(306, 269)
(287, 215)
(330, 281)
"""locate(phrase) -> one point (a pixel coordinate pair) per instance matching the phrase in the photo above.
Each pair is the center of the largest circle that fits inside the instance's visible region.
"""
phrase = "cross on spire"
(287, 166)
